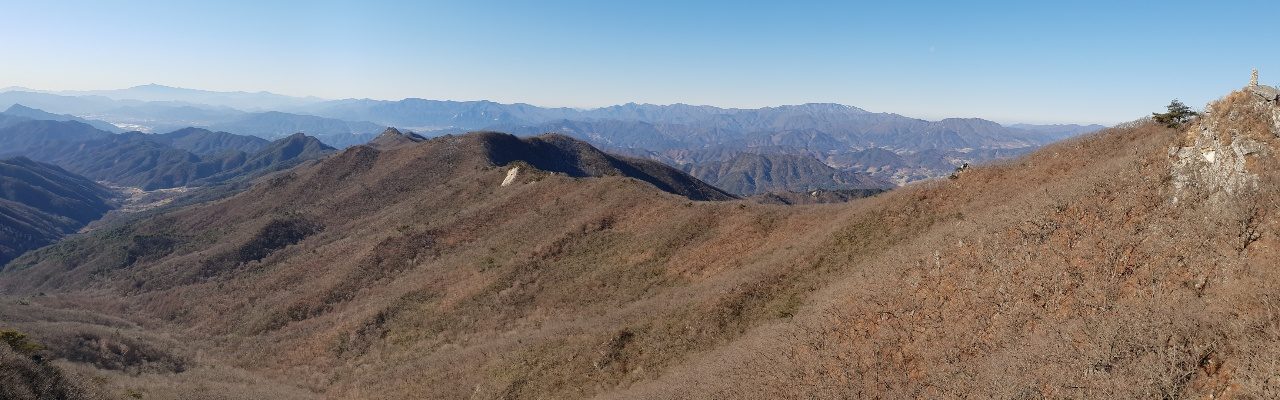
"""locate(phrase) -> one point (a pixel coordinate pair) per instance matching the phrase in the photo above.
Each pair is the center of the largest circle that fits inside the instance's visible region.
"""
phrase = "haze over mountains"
(679, 135)
(639, 200)
(187, 157)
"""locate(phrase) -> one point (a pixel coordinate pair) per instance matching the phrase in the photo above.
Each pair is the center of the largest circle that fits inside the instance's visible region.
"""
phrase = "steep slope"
(26, 376)
(205, 142)
(279, 155)
(558, 153)
(30, 136)
(750, 174)
(39, 203)
(1125, 264)
(415, 272)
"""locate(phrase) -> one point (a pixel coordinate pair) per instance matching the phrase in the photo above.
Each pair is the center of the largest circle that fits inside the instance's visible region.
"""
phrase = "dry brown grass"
(1064, 274)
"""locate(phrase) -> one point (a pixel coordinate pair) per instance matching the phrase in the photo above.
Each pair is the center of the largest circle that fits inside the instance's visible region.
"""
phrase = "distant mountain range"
(19, 110)
(675, 134)
(274, 124)
(163, 116)
(248, 101)
(828, 132)
(656, 127)
(749, 174)
(188, 157)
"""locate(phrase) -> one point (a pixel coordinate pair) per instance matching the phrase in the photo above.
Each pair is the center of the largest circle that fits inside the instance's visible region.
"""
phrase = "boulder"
(1268, 93)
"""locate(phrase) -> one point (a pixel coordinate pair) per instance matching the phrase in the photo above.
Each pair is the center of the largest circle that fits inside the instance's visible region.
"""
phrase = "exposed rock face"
(1267, 93)
(1214, 158)
(511, 176)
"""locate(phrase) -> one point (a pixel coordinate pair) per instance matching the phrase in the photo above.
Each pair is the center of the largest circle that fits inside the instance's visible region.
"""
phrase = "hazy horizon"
(1003, 61)
(72, 92)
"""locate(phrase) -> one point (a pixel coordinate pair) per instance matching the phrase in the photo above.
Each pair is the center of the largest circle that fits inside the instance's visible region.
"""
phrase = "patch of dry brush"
(1067, 273)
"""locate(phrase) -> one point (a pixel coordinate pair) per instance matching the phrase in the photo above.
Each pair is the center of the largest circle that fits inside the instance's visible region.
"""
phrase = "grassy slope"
(1064, 274)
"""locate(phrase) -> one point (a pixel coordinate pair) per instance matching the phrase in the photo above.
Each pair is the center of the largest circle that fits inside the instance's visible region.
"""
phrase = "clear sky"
(1014, 61)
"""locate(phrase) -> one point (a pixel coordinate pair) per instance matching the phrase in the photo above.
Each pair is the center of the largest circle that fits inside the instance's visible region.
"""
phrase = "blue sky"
(1016, 61)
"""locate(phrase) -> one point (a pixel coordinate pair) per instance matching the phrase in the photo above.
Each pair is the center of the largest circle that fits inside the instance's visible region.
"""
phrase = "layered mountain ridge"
(822, 130)
(186, 157)
(485, 265)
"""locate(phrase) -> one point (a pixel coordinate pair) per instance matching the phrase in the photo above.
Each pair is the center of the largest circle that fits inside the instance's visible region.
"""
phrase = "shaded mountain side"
(615, 134)
(30, 137)
(53, 190)
(277, 156)
(559, 153)
(877, 163)
(40, 203)
(204, 142)
(1129, 263)
(7, 120)
(749, 174)
(26, 376)
(35, 114)
(345, 140)
(155, 161)
(132, 159)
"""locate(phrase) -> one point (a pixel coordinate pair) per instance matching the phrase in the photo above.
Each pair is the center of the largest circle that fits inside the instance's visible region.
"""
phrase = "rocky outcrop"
(1215, 155)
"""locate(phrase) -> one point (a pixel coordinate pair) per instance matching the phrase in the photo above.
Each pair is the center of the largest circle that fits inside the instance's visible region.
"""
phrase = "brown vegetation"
(1066, 274)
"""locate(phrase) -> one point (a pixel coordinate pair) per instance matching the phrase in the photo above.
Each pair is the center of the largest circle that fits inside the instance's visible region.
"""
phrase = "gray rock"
(1268, 93)
(1214, 160)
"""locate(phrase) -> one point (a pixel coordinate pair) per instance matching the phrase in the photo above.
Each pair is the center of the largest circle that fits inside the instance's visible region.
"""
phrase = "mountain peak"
(158, 88)
(15, 108)
(563, 154)
(393, 137)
